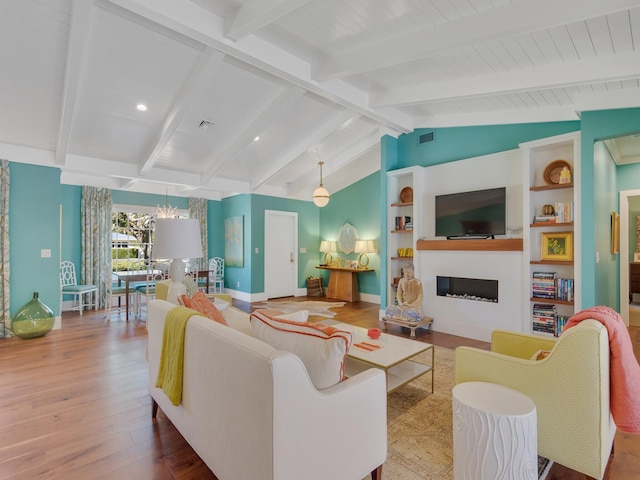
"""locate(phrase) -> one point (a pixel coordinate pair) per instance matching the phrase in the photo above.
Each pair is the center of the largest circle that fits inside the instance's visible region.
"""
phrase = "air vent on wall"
(425, 138)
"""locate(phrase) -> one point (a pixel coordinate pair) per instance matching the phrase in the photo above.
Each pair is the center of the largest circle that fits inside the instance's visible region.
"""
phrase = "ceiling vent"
(205, 124)
(425, 138)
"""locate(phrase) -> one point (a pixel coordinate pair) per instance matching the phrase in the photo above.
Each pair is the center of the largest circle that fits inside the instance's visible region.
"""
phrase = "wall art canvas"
(234, 241)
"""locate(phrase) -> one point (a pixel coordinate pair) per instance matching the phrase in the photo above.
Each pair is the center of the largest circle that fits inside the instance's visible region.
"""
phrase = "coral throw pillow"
(201, 304)
(322, 349)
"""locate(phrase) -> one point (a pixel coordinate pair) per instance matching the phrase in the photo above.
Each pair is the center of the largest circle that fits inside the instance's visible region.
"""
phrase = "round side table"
(495, 434)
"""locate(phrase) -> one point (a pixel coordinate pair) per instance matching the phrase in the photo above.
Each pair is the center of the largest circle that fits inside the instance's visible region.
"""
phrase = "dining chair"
(147, 291)
(216, 265)
(69, 286)
(112, 289)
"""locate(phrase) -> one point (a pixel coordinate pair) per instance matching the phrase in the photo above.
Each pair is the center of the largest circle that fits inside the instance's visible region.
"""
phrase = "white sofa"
(250, 411)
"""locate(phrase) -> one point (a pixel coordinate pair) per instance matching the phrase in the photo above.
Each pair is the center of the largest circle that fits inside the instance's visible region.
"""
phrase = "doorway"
(280, 253)
(625, 313)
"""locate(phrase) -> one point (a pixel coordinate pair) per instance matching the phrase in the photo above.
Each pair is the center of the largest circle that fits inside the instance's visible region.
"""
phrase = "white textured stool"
(495, 434)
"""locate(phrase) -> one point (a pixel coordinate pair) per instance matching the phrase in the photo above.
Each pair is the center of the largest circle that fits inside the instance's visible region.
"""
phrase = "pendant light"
(321, 194)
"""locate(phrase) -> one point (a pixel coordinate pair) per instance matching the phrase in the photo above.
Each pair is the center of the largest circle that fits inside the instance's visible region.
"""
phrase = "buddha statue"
(409, 297)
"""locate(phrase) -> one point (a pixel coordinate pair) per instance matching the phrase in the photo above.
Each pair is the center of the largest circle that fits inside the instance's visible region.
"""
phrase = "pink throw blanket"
(624, 368)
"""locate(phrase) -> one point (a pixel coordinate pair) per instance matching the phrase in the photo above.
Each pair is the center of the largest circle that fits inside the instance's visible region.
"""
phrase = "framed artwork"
(234, 241)
(615, 233)
(557, 246)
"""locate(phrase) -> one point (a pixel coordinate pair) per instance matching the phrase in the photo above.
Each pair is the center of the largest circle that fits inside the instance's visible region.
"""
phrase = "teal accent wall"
(359, 205)
(606, 201)
(596, 126)
(215, 224)
(239, 205)
(34, 224)
(456, 143)
(148, 199)
(308, 220)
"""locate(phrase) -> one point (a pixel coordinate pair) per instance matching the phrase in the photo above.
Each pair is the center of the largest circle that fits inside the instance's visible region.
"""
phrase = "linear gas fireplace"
(468, 288)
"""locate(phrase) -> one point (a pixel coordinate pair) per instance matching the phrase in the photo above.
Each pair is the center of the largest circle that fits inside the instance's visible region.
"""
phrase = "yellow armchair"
(570, 388)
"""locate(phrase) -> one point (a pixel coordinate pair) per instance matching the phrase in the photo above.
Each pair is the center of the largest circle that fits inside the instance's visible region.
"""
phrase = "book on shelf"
(545, 319)
(544, 219)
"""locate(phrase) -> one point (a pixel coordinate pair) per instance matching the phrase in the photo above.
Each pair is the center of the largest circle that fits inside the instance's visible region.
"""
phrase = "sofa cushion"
(201, 304)
(322, 349)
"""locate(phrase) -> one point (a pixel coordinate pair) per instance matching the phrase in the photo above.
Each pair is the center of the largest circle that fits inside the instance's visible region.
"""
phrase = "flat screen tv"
(481, 213)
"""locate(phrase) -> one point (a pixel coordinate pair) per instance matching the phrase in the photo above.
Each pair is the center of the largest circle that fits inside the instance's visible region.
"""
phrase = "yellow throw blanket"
(172, 356)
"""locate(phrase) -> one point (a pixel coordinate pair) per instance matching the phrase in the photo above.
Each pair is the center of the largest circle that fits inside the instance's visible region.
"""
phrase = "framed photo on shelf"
(557, 246)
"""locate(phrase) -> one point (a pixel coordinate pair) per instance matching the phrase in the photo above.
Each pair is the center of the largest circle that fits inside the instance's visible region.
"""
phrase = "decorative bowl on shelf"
(551, 173)
(406, 195)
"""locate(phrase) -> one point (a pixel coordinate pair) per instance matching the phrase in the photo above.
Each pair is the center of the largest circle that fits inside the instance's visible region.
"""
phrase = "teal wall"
(597, 126)
(634, 212)
(456, 143)
(606, 201)
(359, 205)
(71, 198)
(239, 278)
(34, 224)
(308, 220)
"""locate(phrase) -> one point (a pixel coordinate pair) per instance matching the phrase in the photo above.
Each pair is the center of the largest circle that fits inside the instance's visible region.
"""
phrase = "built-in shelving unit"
(403, 238)
(558, 278)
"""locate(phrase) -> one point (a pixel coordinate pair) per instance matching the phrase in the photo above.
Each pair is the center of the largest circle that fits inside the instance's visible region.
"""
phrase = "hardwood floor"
(75, 404)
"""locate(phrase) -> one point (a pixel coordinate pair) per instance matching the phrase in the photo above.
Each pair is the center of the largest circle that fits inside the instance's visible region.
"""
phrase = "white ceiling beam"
(78, 42)
(187, 18)
(506, 20)
(257, 14)
(606, 100)
(190, 93)
(285, 100)
(593, 70)
(303, 145)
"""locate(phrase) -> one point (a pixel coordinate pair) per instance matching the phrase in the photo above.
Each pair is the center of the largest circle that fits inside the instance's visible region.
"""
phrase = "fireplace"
(468, 288)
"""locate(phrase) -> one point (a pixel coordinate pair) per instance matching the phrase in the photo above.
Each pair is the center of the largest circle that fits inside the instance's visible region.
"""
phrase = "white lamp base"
(176, 274)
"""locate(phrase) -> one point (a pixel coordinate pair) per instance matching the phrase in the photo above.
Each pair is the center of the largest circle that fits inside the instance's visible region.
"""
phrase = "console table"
(343, 282)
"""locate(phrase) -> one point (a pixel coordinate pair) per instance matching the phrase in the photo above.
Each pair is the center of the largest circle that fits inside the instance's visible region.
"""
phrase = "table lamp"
(363, 247)
(327, 247)
(177, 238)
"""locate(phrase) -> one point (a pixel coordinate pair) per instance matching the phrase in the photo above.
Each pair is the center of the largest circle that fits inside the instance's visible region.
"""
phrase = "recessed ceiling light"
(257, 138)
(142, 107)
(205, 124)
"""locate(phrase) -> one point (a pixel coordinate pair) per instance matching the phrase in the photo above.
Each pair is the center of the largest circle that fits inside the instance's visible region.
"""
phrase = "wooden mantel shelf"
(491, 245)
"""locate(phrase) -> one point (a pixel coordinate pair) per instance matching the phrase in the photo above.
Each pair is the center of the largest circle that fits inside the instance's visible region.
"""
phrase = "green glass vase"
(33, 320)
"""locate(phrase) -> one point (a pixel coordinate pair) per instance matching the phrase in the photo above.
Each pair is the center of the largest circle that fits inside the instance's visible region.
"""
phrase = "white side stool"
(495, 434)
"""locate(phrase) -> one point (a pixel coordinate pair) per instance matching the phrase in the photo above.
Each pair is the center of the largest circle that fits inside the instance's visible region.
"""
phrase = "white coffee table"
(394, 357)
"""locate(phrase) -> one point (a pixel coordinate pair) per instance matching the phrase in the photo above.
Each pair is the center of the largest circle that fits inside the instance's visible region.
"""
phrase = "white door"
(280, 253)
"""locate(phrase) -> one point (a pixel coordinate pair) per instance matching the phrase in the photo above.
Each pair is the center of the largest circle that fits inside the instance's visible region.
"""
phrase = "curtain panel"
(198, 210)
(96, 237)
(5, 317)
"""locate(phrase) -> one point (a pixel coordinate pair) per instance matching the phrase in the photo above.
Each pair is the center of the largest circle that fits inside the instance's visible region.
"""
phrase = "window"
(132, 236)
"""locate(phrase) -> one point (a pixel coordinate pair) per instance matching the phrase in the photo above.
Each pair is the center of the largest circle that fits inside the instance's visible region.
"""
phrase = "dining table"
(129, 276)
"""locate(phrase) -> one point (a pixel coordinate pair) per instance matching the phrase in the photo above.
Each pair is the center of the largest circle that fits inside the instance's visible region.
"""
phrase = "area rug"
(420, 429)
(315, 307)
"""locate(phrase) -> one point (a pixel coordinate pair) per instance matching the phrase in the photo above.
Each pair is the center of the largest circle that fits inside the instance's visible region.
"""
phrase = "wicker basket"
(315, 287)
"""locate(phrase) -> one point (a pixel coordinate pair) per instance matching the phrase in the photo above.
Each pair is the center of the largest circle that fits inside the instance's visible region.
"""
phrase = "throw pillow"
(322, 349)
(201, 304)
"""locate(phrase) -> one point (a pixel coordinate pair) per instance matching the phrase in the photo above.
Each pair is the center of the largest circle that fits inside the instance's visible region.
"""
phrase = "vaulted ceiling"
(315, 80)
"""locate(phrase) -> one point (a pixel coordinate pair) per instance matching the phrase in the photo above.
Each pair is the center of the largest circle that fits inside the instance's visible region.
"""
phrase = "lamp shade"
(177, 238)
(364, 246)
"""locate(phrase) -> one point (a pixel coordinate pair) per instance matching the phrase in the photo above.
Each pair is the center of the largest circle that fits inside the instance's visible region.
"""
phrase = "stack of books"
(564, 289)
(543, 285)
(544, 318)
(563, 214)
